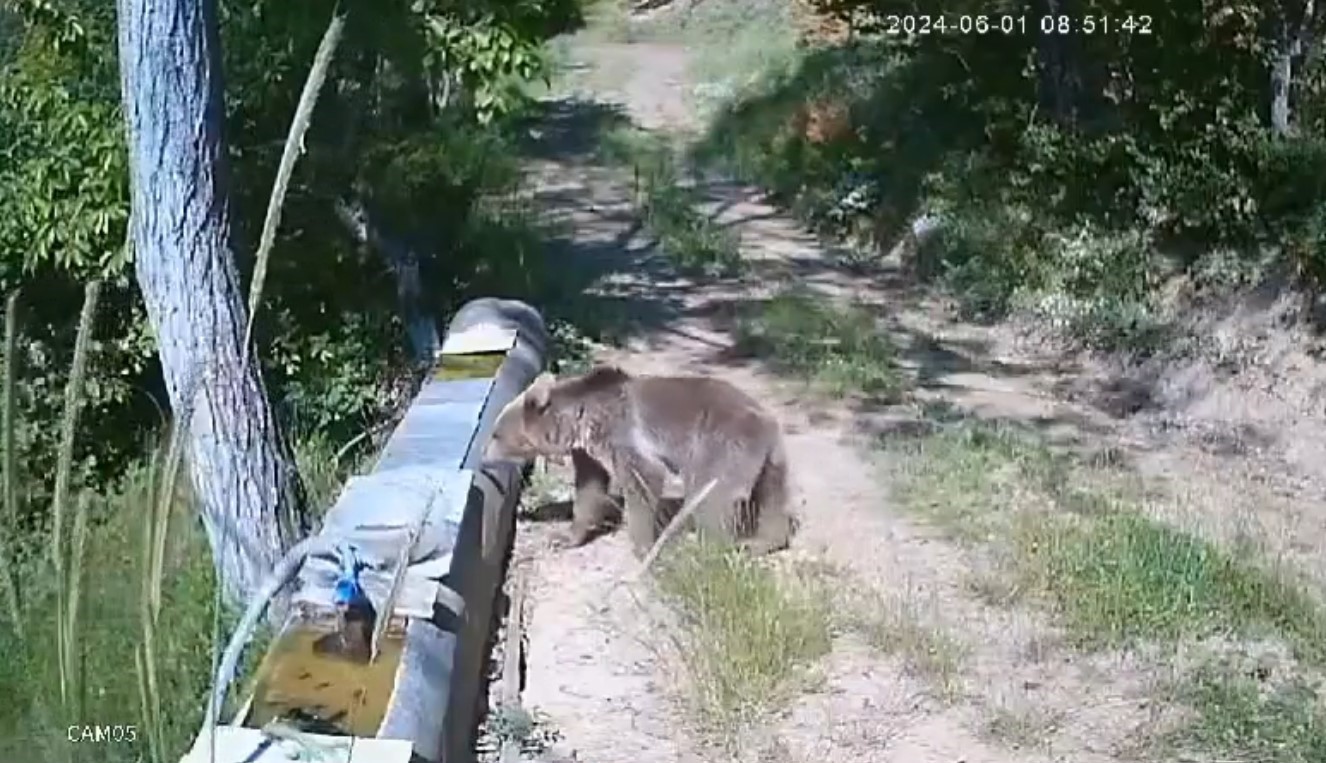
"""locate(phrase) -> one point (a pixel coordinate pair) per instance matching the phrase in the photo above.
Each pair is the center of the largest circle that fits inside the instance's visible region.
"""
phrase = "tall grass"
(746, 635)
(109, 624)
(74, 596)
(8, 467)
(158, 497)
(68, 588)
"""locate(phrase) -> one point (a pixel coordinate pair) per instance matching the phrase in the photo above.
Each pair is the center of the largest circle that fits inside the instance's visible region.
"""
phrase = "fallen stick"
(674, 526)
(515, 631)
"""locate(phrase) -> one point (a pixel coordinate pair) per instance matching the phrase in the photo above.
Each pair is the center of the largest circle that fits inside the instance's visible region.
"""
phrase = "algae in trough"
(481, 365)
(342, 696)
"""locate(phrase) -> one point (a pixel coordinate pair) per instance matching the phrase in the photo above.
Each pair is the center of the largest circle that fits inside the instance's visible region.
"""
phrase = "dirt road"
(1010, 691)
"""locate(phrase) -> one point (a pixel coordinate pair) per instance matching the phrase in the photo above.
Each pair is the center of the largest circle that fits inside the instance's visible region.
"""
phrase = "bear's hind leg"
(768, 510)
(773, 532)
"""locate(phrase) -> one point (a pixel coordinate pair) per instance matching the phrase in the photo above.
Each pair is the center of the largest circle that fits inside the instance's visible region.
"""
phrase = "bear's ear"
(539, 394)
(604, 375)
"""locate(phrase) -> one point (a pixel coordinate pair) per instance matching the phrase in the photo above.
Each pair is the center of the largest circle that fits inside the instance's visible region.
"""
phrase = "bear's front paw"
(573, 537)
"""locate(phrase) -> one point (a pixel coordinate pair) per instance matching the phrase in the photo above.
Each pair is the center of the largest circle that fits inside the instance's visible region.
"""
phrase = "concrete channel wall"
(420, 700)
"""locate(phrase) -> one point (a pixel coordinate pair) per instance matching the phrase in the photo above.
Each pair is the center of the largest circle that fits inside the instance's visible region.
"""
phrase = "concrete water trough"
(431, 503)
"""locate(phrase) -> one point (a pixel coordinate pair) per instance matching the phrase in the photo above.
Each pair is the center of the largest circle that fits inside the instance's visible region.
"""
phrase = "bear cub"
(656, 440)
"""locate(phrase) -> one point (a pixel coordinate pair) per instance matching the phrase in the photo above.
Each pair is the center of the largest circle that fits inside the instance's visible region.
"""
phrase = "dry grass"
(902, 626)
(746, 635)
(1080, 540)
(1021, 727)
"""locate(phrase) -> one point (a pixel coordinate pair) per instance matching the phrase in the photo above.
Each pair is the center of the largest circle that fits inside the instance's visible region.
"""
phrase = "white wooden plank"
(374, 512)
(236, 744)
(484, 337)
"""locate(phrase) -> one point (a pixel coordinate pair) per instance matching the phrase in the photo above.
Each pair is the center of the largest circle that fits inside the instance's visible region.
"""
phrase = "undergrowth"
(1074, 220)
(112, 627)
(670, 209)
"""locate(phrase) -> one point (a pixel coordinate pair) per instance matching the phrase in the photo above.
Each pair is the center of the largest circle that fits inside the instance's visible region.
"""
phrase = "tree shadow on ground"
(570, 129)
(610, 279)
(1065, 432)
(931, 368)
(615, 285)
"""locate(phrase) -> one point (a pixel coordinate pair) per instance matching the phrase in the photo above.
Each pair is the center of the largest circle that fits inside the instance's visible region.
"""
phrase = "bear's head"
(552, 417)
(520, 431)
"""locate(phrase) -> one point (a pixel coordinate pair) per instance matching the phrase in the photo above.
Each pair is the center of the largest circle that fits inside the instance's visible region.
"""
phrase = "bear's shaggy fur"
(655, 440)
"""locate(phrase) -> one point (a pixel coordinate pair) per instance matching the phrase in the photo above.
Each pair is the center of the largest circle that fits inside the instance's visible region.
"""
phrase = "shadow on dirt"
(611, 281)
(571, 129)
(615, 286)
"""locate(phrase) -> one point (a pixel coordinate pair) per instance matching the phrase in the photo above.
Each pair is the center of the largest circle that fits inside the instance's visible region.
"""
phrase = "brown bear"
(655, 440)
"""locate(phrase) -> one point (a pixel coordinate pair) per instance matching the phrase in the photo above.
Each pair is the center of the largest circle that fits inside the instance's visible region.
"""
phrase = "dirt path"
(593, 671)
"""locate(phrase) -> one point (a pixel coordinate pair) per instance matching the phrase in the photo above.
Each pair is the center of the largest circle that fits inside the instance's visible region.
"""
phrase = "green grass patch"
(1070, 533)
(110, 631)
(966, 479)
(843, 350)
(1067, 533)
(693, 241)
(1121, 577)
(33, 726)
(1253, 722)
(747, 633)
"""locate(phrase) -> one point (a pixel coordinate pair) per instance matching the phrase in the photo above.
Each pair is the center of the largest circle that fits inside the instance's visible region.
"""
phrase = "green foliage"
(1158, 129)
(329, 336)
(437, 176)
(1255, 722)
(491, 58)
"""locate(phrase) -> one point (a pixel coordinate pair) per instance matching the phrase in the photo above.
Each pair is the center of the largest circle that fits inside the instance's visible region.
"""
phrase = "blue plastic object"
(348, 591)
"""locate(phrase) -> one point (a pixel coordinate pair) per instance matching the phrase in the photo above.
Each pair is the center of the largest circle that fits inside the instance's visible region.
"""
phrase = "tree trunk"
(1058, 76)
(1282, 76)
(243, 473)
(1295, 37)
(403, 260)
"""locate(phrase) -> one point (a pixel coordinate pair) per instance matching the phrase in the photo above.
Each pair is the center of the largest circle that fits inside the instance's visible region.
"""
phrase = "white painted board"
(484, 337)
(236, 744)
